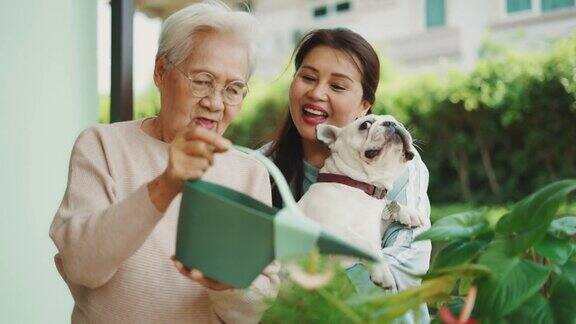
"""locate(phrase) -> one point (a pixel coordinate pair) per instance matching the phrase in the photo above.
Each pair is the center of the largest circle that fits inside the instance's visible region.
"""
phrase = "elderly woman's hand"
(190, 154)
(197, 276)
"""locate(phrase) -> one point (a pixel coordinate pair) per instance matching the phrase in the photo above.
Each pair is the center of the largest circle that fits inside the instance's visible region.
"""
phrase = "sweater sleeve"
(93, 230)
(248, 305)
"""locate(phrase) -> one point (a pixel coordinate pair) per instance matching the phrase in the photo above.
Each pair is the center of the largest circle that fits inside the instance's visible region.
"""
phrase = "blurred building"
(415, 34)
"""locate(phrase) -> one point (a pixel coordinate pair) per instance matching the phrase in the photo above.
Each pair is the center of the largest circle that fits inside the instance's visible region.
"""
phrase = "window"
(343, 6)
(320, 11)
(513, 6)
(435, 13)
(548, 5)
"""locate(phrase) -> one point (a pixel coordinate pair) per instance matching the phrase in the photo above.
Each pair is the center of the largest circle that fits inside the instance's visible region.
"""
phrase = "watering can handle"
(290, 222)
(276, 174)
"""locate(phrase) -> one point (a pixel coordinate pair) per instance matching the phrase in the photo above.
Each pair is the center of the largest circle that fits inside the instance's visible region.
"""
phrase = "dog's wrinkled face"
(384, 136)
(376, 141)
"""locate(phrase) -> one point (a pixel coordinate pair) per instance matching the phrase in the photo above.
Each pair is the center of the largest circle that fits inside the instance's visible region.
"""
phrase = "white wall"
(397, 29)
(535, 30)
(47, 95)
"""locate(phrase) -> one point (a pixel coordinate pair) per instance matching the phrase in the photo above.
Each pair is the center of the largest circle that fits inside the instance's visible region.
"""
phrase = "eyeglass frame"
(213, 88)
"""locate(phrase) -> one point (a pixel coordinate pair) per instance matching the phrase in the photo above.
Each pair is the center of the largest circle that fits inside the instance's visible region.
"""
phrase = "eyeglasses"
(203, 84)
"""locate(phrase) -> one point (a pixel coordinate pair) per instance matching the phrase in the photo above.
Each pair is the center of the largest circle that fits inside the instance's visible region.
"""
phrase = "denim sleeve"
(404, 257)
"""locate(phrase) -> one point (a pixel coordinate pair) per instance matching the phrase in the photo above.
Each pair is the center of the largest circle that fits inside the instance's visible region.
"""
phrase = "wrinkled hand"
(191, 153)
(197, 276)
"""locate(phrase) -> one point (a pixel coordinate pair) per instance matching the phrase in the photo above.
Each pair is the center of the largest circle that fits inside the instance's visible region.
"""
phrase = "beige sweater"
(115, 247)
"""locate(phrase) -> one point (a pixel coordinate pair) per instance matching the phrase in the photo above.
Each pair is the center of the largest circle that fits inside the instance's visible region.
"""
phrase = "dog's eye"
(365, 125)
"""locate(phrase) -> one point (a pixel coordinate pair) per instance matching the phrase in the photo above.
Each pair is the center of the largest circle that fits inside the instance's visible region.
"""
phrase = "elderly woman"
(115, 229)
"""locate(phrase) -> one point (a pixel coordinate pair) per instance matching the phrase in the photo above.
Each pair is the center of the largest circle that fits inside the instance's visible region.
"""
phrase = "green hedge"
(493, 134)
(490, 135)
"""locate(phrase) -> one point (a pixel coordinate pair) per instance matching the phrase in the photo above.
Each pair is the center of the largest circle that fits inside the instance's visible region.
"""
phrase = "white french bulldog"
(367, 156)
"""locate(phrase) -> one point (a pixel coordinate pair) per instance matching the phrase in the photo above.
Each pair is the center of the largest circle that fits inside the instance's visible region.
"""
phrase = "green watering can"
(231, 237)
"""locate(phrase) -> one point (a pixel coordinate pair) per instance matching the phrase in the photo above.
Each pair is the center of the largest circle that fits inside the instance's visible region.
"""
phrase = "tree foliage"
(493, 134)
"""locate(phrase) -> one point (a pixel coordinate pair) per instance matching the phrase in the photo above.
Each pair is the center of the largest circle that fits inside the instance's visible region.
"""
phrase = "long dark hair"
(286, 150)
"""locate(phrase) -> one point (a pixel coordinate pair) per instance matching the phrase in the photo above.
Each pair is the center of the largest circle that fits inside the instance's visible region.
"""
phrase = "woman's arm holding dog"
(404, 257)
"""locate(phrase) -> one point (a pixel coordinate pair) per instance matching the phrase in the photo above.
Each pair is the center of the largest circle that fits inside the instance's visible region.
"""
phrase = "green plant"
(529, 254)
(521, 262)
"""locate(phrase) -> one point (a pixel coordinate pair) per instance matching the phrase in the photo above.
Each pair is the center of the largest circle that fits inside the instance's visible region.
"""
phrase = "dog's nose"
(388, 124)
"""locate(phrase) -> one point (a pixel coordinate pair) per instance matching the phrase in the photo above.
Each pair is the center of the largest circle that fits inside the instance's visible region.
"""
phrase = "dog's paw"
(408, 216)
(415, 219)
(394, 207)
(391, 211)
(380, 274)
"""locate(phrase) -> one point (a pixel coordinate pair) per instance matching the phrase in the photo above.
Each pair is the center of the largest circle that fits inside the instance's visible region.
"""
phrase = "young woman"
(337, 74)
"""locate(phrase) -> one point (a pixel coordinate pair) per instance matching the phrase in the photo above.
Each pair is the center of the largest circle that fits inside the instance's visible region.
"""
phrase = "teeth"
(314, 112)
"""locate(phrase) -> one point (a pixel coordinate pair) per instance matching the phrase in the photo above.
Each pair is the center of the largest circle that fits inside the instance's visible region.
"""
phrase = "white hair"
(180, 29)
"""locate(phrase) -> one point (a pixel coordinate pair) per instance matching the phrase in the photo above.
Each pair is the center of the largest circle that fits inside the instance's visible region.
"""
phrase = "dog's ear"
(327, 134)
(409, 155)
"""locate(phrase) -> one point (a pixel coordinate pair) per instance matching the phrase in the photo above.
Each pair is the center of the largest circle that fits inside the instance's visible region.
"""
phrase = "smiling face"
(222, 55)
(326, 89)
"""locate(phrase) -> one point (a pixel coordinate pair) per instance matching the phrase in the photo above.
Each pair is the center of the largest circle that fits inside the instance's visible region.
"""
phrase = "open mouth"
(314, 115)
(394, 137)
(206, 123)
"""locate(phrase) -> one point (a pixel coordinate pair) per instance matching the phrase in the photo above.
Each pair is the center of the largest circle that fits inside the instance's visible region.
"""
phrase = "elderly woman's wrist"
(171, 183)
(162, 191)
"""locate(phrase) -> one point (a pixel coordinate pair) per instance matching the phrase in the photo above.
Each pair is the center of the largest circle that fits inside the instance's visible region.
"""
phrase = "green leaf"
(529, 219)
(524, 212)
(569, 271)
(455, 305)
(462, 225)
(563, 297)
(555, 249)
(463, 270)
(458, 252)
(563, 227)
(428, 291)
(496, 321)
(514, 280)
(464, 285)
(535, 310)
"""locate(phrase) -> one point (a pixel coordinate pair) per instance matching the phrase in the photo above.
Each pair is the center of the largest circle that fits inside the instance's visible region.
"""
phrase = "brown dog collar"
(369, 189)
